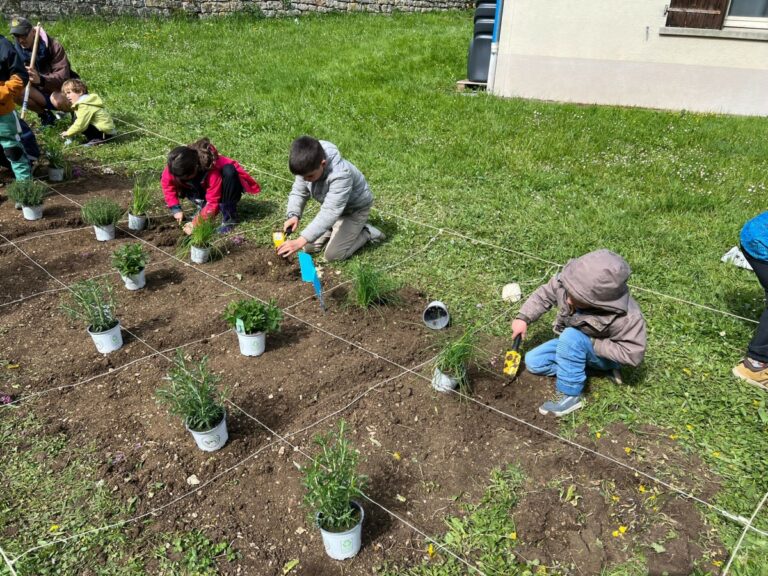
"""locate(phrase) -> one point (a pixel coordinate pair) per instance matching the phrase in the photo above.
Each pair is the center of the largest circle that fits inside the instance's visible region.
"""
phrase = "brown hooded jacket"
(613, 319)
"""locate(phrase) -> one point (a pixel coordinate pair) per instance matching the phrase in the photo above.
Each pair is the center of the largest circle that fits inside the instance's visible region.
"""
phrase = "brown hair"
(75, 85)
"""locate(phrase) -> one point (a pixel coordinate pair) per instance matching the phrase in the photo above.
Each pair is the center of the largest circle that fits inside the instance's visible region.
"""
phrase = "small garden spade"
(512, 358)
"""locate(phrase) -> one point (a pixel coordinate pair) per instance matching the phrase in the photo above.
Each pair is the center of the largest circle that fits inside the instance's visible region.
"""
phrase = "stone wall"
(55, 9)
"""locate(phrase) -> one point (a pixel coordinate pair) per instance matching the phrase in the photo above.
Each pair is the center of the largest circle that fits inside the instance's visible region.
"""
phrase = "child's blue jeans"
(567, 358)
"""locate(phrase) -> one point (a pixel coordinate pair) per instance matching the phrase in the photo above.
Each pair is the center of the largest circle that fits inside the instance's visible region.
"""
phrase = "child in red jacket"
(213, 183)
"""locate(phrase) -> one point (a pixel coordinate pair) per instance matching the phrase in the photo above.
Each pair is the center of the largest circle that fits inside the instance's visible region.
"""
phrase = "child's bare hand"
(63, 134)
(179, 216)
(519, 327)
(188, 228)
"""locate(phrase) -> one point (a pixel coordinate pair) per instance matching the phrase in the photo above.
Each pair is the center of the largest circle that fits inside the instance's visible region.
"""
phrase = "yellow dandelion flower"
(717, 563)
(622, 529)
(716, 454)
(615, 533)
(396, 456)
(513, 535)
(615, 498)
(598, 435)
(641, 489)
(673, 436)
(431, 550)
(54, 527)
(627, 449)
(689, 427)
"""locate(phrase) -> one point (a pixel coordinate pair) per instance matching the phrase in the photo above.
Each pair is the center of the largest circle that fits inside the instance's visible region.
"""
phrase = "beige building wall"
(615, 52)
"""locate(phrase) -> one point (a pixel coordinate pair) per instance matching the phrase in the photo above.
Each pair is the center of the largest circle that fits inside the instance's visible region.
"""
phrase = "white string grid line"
(8, 562)
(726, 514)
(52, 290)
(477, 241)
(743, 534)
(36, 236)
(331, 415)
(386, 268)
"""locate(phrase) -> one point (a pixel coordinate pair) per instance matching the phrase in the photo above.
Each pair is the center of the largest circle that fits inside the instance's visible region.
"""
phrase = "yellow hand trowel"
(278, 238)
(512, 358)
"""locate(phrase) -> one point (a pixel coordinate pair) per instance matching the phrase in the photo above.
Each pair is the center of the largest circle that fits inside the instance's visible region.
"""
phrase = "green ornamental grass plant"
(141, 199)
(256, 316)
(130, 259)
(371, 286)
(27, 192)
(101, 212)
(93, 303)
(332, 482)
(455, 355)
(192, 394)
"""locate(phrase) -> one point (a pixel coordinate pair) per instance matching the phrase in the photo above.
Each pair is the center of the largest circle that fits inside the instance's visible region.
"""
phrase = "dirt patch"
(424, 452)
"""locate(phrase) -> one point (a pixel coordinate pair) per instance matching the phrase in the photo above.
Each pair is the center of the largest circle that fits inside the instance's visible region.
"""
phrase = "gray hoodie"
(613, 319)
(341, 190)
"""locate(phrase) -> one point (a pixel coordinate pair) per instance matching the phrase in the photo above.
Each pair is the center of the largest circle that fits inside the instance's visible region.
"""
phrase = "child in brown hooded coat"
(599, 326)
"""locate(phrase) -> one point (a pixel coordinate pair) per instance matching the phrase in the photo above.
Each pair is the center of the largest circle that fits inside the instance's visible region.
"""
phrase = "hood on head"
(599, 279)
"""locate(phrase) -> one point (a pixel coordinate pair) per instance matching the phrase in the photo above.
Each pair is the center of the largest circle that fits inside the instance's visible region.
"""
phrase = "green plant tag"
(239, 326)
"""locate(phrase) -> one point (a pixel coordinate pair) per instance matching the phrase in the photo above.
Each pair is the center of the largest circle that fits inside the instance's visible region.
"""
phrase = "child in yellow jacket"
(91, 118)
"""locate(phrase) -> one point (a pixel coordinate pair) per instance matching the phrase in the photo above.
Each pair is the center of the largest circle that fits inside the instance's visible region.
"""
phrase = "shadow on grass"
(746, 302)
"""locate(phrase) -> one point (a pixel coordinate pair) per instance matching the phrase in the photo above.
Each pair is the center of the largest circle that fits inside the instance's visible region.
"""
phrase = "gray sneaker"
(376, 234)
(561, 405)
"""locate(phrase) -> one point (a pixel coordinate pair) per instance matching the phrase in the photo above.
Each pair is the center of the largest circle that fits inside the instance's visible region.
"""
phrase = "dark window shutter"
(697, 13)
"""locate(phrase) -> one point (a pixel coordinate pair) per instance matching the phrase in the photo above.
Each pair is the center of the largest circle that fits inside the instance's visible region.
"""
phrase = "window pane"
(754, 8)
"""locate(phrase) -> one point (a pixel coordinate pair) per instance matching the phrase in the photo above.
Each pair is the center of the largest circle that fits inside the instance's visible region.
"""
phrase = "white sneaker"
(376, 234)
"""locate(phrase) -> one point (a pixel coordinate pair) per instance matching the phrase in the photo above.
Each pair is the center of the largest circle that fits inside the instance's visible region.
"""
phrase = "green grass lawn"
(668, 191)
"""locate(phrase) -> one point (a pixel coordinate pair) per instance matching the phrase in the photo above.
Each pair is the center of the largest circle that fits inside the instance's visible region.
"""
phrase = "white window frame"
(744, 21)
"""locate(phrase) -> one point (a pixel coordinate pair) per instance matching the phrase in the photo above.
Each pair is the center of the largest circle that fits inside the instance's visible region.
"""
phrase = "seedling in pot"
(202, 239)
(141, 200)
(93, 303)
(192, 395)
(371, 286)
(333, 483)
(252, 320)
(29, 195)
(103, 214)
(451, 363)
(130, 260)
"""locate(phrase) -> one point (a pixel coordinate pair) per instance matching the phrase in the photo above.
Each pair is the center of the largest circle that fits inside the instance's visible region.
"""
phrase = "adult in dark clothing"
(51, 69)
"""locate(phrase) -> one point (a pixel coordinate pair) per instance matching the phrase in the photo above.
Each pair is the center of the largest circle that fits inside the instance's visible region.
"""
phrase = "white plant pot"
(200, 255)
(104, 233)
(32, 212)
(136, 222)
(343, 545)
(252, 344)
(443, 382)
(107, 341)
(213, 439)
(55, 174)
(135, 282)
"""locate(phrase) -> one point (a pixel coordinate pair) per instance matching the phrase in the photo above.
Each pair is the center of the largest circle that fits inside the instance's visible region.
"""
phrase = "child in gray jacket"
(345, 202)
(599, 326)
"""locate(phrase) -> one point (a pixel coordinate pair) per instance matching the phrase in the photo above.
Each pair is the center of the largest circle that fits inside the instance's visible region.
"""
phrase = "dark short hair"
(306, 155)
(182, 161)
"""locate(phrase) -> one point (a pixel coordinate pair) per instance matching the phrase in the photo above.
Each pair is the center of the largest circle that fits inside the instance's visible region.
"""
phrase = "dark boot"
(228, 217)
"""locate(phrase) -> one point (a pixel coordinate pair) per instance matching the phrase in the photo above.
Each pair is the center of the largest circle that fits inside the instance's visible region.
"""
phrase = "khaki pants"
(347, 236)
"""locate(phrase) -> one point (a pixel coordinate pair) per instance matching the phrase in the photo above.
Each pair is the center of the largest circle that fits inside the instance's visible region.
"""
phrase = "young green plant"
(101, 212)
(332, 482)
(202, 236)
(371, 286)
(141, 199)
(250, 316)
(192, 394)
(27, 192)
(92, 303)
(455, 355)
(130, 259)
